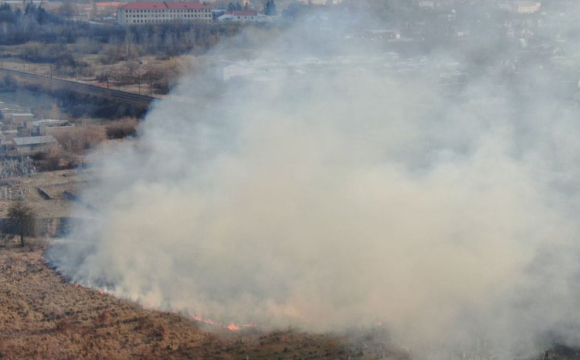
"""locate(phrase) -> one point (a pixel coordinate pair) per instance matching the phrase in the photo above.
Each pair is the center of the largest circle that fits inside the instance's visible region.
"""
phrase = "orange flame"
(231, 326)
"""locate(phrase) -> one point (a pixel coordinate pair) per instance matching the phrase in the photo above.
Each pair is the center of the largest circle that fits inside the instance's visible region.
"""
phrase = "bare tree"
(134, 73)
(21, 221)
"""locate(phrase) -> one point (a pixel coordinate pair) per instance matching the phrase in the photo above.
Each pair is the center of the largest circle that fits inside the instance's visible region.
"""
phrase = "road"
(54, 83)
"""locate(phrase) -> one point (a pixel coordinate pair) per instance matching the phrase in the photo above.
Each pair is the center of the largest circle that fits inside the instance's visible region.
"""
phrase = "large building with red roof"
(163, 12)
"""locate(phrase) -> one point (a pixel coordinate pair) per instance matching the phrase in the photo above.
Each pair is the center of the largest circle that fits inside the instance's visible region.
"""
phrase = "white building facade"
(245, 16)
(163, 12)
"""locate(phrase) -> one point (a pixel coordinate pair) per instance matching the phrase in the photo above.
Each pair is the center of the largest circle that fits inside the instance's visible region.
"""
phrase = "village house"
(33, 144)
(48, 127)
(20, 119)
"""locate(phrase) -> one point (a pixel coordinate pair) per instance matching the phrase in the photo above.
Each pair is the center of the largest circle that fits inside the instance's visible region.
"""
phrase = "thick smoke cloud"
(345, 185)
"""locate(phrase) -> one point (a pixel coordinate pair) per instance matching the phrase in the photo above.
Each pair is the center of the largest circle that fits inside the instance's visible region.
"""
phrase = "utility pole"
(50, 67)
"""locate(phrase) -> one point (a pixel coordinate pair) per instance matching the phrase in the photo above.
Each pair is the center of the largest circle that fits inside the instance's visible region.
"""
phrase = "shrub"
(55, 159)
(88, 46)
(77, 140)
(122, 128)
(161, 331)
(62, 326)
(111, 54)
(104, 317)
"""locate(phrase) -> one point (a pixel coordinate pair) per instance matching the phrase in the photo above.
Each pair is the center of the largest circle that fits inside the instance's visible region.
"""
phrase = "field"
(44, 317)
(53, 183)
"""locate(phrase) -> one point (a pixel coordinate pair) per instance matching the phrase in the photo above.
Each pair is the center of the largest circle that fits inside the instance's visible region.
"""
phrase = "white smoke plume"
(344, 185)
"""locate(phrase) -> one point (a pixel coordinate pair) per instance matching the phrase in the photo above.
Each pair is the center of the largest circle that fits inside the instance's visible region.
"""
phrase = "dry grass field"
(54, 183)
(44, 317)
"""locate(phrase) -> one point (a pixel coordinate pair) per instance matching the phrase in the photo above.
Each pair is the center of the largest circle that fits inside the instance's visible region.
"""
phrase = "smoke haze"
(333, 185)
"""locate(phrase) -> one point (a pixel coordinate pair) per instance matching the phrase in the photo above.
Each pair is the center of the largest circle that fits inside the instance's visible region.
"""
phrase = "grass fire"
(355, 179)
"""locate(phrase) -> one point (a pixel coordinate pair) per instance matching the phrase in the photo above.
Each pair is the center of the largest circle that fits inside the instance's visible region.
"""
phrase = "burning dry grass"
(43, 317)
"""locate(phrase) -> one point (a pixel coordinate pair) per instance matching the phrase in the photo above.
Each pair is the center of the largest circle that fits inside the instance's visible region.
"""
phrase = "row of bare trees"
(150, 78)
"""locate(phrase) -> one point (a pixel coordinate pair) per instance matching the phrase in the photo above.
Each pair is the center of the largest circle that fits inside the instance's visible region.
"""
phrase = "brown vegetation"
(77, 140)
(20, 221)
(55, 159)
(47, 43)
(74, 143)
(122, 128)
(44, 317)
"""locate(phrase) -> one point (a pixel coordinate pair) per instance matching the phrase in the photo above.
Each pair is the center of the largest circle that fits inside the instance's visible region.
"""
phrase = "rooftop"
(165, 5)
(33, 140)
(108, 4)
(49, 122)
(242, 13)
(186, 5)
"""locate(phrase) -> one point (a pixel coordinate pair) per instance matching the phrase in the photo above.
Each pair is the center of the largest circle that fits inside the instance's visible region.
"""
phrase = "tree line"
(38, 25)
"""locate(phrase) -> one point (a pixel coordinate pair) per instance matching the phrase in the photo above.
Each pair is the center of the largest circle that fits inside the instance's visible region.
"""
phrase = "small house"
(48, 127)
(33, 144)
(21, 119)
